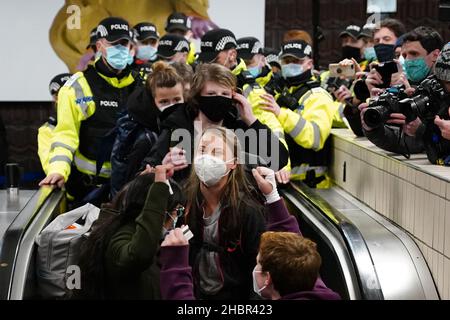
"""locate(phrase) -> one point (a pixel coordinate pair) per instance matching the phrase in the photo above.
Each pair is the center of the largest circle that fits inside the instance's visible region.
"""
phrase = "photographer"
(420, 48)
(442, 121)
(384, 38)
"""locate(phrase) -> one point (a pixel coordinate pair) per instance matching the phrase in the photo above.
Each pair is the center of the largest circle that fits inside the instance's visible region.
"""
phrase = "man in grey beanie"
(442, 72)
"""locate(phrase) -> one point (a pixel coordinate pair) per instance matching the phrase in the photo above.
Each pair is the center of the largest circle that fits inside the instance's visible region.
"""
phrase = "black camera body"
(429, 100)
(380, 109)
(334, 83)
(288, 100)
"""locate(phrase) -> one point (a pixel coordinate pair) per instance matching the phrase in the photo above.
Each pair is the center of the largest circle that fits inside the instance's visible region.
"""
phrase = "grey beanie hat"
(442, 66)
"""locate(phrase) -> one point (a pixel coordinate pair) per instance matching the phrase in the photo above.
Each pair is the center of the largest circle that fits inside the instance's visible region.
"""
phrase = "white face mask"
(210, 169)
(257, 290)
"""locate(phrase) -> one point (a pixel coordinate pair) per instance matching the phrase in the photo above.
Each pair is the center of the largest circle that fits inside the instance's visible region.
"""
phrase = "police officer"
(178, 23)
(88, 107)
(147, 37)
(272, 59)
(45, 132)
(220, 46)
(173, 48)
(251, 51)
(305, 115)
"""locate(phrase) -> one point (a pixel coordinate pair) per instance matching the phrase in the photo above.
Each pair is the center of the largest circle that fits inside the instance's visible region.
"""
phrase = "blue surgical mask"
(130, 59)
(416, 69)
(370, 54)
(118, 56)
(291, 70)
(146, 52)
(255, 71)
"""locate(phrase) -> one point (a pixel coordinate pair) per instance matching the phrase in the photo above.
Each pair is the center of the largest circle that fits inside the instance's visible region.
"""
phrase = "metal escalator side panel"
(400, 265)
(330, 235)
(13, 236)
(49, 209)
(357, 247)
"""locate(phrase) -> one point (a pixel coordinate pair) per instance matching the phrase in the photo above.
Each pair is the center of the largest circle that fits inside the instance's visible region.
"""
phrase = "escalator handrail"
(14, 234)
(357, 247)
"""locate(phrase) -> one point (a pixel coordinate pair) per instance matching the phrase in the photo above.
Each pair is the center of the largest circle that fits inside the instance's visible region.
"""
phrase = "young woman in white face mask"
(287, 264)
(224, 217)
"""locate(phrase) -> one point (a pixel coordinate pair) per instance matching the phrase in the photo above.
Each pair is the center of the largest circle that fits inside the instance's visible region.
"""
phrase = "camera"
(287, 100)
(428, 101)
(334, 83)
(381, 108)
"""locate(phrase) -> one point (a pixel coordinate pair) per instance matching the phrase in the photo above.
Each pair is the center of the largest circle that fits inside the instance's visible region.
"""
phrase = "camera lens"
(373, 118)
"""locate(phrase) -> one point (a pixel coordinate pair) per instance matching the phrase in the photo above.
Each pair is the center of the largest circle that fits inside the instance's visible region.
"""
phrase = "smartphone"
(386, 70)
(346, 71)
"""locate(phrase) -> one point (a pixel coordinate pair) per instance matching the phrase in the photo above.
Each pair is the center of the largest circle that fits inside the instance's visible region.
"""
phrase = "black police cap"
(215, 41)
(170, 44)
(113, 29)
(296, 48)
(272, 57)
(145, 31)
(352, 31)
(57, 82)
(178, 21)
(92, 38)
(247, 47)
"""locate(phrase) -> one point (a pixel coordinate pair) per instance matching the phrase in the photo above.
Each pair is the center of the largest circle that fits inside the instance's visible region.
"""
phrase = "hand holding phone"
(386, 70)
(338, 70)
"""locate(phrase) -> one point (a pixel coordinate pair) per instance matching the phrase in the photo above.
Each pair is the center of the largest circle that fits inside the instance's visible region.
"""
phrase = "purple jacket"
(176, 274)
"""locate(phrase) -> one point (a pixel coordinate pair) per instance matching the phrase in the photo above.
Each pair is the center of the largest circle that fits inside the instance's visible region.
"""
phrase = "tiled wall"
(412, 193)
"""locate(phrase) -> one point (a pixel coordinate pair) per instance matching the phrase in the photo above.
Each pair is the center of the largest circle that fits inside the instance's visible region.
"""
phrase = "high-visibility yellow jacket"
(308, 128)
(88, 106)
(45, 135)
(338, 117)
(253, 94)
(192, 53)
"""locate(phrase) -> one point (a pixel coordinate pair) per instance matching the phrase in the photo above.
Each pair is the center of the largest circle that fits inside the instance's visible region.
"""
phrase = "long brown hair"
(236, 195)
(209, 72)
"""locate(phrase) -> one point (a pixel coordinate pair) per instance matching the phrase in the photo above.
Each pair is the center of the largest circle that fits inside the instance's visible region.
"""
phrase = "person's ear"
(268, 280)
(233, 54)
(98, 45)
(435, 54)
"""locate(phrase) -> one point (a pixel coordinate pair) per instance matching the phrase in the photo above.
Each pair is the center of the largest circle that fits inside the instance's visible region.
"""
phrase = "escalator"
(364, 256)
(23, 218)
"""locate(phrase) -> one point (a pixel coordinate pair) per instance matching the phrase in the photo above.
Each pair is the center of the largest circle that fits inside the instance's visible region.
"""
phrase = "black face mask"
(385, 52)
(215, 107)
(169, 110)
(351, 52)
